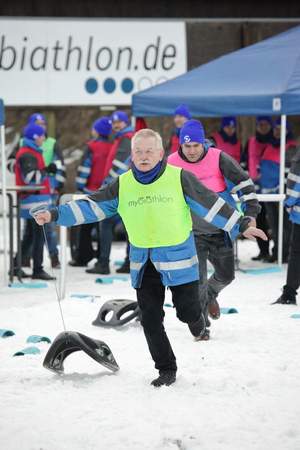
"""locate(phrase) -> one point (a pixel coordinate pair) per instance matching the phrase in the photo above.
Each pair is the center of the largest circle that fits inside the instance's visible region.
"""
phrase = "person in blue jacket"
(149, 198)
(292, 203)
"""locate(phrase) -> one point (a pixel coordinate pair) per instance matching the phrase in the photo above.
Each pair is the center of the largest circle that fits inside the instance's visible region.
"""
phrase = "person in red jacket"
(252, 154)
(30, 170)
(90, 176)
(181, 115)
(118, 162)
(226, 139)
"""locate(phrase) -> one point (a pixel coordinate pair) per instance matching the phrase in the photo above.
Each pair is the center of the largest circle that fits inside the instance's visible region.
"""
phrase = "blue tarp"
(262, 79)
(1, 112)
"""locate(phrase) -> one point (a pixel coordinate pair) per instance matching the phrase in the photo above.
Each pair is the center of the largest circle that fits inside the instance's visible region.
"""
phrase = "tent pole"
(281, 187)
(4, 203)
(133, 122)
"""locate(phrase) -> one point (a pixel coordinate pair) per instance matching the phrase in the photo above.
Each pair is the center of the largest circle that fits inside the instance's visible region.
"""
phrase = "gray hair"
(147, 133)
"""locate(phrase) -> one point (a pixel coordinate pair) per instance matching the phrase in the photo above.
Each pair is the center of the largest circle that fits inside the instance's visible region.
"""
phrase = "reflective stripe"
(246, 197)
(120, 164)
(296, 208)
(294, 177)
(77, 213)
(81, 180)
(135, 265)
(113, 174)
(242, 185)
(33, 204)
(176, 265)
(269, 190)
(29, 177)
(99, 213)
(232, 221)
(293, 193)
(60, 178)
(84, 169)
(214, 210)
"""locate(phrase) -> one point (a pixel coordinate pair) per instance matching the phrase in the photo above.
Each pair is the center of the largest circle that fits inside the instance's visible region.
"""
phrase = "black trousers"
(34, 245)
(262, 223)
(272, 209)
(293, 272)
(150, 298)
(218, 250)
(81, 242)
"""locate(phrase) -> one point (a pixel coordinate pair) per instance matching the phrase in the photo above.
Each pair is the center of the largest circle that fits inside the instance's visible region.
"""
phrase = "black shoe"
(42, 275)
(261, 257)
(55, 264)
(166, 378)
(22, 273)
(75, 263)
(288, 297)
(213, 309)
(125, 268)
(198, 328)
(102, 269)
(203, 337)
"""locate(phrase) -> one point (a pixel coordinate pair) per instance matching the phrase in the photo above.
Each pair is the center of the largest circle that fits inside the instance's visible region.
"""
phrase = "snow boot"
(166, 378)
(288, 297)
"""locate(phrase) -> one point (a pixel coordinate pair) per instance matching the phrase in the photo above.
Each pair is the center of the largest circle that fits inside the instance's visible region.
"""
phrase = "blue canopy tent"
(3, 187)
(262, 79)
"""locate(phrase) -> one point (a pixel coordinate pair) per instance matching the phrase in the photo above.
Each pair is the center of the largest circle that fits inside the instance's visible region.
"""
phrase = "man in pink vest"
(181, 115)
(223, 175)
(226, 139)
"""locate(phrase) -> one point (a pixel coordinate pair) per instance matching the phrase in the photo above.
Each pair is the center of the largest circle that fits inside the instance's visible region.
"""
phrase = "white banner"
(86, 62)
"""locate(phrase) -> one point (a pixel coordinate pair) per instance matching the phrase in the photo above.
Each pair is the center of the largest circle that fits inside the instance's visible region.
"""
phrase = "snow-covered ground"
(239, 391)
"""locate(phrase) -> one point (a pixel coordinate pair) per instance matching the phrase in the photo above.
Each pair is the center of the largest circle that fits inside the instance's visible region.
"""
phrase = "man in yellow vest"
(154, 200)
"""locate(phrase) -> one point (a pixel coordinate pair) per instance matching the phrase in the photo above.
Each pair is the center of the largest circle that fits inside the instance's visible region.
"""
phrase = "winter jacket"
(177, 264)
(292, 201)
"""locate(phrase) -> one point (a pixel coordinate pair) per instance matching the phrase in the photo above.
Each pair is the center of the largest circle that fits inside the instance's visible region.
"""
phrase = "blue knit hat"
(119, 115)
(103, 126)
(192, 131)
(33, 131)
(264, 119)
(182, 110)
(278, 123)
(37, 117)
(228, 122)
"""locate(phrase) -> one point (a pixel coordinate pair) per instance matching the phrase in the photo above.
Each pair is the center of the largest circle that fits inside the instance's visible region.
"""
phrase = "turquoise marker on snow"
(229, 311)
(295, 316)
(6, 333)
(35, 338)
(28, 351)
(109, 280)
(29, 285)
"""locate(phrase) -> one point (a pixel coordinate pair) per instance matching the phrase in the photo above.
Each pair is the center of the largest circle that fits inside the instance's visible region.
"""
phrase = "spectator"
(181, 115)
(226, 139)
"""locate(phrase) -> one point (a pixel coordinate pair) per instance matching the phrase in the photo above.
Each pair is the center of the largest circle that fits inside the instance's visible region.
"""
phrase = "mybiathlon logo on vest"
(68, 62)
(150, 200)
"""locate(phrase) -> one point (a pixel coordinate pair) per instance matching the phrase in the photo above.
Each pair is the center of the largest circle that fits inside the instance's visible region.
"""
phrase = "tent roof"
(263, 78)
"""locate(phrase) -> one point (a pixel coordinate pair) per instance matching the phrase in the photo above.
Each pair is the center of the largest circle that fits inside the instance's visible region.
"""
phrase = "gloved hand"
(51, 168)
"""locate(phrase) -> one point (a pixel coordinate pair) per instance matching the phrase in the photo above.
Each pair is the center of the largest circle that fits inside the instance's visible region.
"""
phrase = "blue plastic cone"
(229, 311)
(29, 285)
(28, 351)
(35, 339)
(6, 333)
